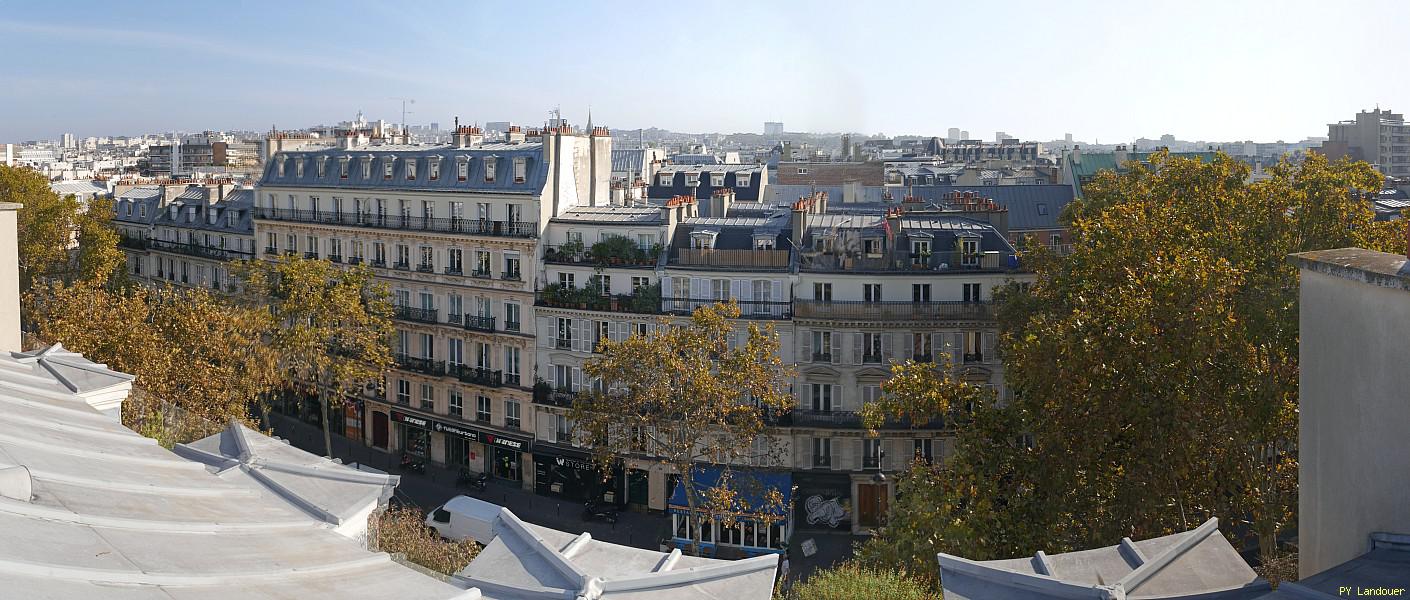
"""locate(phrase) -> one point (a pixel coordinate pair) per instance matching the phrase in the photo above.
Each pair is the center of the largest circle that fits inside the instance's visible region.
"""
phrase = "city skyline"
(92, 69)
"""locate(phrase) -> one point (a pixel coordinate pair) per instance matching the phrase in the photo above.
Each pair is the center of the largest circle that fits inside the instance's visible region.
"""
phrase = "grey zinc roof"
(536, 172)
(81, 188)
(240, 202)
(1031, 207)
(734, 168)
(1386, 565)
(784, 194)
(627, 215)
(111, 514)
(526, 561)
(628, 160)
(1198, 563)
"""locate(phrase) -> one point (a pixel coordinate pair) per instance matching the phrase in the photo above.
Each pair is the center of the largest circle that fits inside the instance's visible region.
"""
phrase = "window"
(357, 251)
(403, 256)
(482, 356)
(511, 266)
(1042, 208)
(822, 397)
(489, 169)
(563, 430)
(428, 210)
(972, 293)
(379, 253)
(335, 249)
(741, 180)
(298, 168)
(924, 449)
(462, 168)
(871, 348)
(428, 346)
(483, 211)
(973, 346)
(802, 170)
(456, 402)
(666, 179)
(367, 167)
(871, 453)
(822, 452)
(455, 351)
(482, 409)
(871, 292)
(921, 347)
(692, 179)
(605, 285)
(428, 397)
(822, 346)
(920, 250)
(920, 292)
(271, 241)
(322, 163)
(719, 289)
(639, 282)
(293, 242)
(822, 292)
(511, 414)
(565, 280)
(521, 168)
(387, 164)
(435, 169)
(403, 392)
(511, 316)
(717, 180)
(482, 263)
(410, 169)
(871, 246)
(564, 341)
(312, 249)
(969, 252)
(454, 261)
(343, 168)
(511, 364)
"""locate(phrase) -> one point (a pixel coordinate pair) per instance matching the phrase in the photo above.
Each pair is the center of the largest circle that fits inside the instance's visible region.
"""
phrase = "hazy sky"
(1110, 71)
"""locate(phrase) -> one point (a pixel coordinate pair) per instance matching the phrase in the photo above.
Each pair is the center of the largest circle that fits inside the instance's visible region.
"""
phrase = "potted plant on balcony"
(552, 294)
(573, 250)
(646, 299)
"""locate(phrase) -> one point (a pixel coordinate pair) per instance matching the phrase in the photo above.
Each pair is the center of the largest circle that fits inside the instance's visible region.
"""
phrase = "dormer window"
(435, 168)
(692, 179)
(521, 168)
(703, 240)
(298, 168)
(764, 242)
(665, 179)
(489, 169)
(279, 166)
(741, 180)
(717, 180)
(343, 167)
(387, 165)
(367, 167)
(410, 169)
(322, 166)
(462, 168)
(802, 170)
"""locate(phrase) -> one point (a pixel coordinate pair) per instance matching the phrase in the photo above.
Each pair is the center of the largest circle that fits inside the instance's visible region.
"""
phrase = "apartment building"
(185, 234)
(454, 232)
(1378, 136)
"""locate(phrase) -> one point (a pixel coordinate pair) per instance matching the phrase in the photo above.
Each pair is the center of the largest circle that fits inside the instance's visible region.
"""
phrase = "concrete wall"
(1355, 415)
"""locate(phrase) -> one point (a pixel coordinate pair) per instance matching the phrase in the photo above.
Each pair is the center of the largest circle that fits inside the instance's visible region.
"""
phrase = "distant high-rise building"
(1067, 137)
(1000, 136)
(435, 127)
(953, 135)
(964, 135)
(1379, 137)
(497, 126)
(773, 128)
(68, 141)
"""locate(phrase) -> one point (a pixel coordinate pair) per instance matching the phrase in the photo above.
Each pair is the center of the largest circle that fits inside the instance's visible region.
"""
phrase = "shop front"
(824, 501)
(762, 525)
(413, 434)
(508, 454)
(572, 474)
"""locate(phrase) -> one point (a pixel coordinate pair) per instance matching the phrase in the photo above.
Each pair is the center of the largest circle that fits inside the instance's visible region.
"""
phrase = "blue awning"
(751, 485)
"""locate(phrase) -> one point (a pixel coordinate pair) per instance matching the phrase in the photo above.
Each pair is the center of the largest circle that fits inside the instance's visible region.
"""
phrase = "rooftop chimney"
(514, 135)
(9, 279)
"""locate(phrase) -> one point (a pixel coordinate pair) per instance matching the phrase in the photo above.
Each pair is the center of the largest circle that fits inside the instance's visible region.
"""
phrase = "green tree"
(98, 257)
(333, 326)
(1154, 369)
(687, 396)
(199, 362)
(46, 225)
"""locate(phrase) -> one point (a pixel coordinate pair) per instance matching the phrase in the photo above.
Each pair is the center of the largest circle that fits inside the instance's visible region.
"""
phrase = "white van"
(464, 517)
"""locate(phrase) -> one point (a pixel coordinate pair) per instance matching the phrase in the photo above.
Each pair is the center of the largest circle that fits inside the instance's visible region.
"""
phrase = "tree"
(98, 258)
(687, 396)
(45, 227)
(199, 361)
(855, 580)
(332, 326)
(1154, 369)
(402, 530)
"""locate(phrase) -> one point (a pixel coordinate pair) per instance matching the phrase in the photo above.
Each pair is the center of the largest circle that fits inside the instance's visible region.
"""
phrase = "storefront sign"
(573, 463)
(458, 431)
(490, 438)
(414, 421)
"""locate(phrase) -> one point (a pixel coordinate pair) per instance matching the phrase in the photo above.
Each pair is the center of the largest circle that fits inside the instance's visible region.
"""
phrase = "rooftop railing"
(904, 261)
(463, 225)
(199, 250)
(892, 310)
(731, 259)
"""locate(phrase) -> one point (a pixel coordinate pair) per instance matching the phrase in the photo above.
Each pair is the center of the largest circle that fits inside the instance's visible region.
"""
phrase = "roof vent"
(15, 483)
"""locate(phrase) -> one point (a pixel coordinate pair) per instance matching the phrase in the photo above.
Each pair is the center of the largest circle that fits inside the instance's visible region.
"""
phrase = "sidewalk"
(437, 485)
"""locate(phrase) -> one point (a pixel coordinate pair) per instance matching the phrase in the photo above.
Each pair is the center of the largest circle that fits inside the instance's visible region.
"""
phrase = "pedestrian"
(783, 570)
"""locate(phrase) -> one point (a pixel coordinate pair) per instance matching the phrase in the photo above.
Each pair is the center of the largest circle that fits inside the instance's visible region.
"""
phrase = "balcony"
(454, 271)
(615, 252)
(846, 419)
(710, 258)
(461, 225)
(511, 326)
(401, 265)
(893, 310)
(419, 315)
(511, 276)
(748, 309)
(476, 375)
(906, 261)
(873, 359)
(974, 357)
(337, 258)
(311, 255)
(453, 318)
(479, 323)
(823, 461)
(546, 395)
(425, 366)
(380, 264)
(563, 344)
(425, 268)
(823, 357)
(198, 250)
(271, 250)
(132, 243)
(356, 260)
(646, 300)
(482, 274)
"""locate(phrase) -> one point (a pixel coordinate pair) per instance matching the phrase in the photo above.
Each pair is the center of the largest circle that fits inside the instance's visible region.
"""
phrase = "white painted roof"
(526, 561)
(113, 515)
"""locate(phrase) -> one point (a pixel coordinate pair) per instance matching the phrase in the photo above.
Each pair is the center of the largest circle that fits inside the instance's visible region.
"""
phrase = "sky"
(1102, 71)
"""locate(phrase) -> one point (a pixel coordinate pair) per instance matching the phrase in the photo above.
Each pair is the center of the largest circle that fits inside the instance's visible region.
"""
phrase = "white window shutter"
(577, 379)
(805, 453)
(805, 345)
(904, 346)
(887, 345)
(990, 354)
(547, 332)
(553, 378)
(835, 352)
(776, 295)
(746, 290)
(957, 352)
(858, 341)
(736, 289)
(837, 403)
(699, 288)
(939, 342)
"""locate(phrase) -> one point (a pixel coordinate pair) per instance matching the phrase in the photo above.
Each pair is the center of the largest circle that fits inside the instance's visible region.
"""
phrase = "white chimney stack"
(9, 278)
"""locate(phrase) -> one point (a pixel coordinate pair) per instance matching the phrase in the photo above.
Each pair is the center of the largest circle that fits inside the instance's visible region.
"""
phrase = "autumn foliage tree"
(690, 395)
(332, 326)
(59, 238)
(1154, 369)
